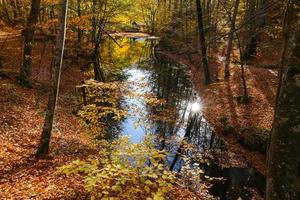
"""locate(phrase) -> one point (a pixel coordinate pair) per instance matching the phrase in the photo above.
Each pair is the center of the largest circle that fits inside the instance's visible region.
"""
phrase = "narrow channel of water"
(161, 101)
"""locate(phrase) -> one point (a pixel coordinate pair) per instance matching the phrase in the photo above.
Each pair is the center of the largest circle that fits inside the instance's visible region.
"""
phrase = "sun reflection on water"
(196, 107)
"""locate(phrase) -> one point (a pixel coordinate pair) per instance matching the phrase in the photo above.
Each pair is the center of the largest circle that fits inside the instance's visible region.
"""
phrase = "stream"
(161, 101)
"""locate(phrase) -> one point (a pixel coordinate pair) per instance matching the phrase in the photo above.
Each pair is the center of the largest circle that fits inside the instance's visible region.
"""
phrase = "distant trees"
(221, 20)
(12, 11)
(47, 129)
(149, 10)
(25, 71)
(103, 13)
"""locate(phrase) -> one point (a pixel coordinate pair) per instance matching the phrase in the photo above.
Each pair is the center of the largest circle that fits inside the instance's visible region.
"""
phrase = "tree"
(79, 31)
(230, 37)
(251, 35)
(202, 43)
(25, 71)
(1, 65)
(284, 148)
(149, 10)
(43, 147)
(104, 13)
(97, 30)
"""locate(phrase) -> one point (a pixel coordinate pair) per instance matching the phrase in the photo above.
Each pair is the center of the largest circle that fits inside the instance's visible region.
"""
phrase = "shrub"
(102, 106)
(123, 170)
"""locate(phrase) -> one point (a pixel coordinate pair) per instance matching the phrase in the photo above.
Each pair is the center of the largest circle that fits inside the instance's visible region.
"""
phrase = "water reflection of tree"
(116, 58)
(171, 83)
(199, 134)
(168, 81)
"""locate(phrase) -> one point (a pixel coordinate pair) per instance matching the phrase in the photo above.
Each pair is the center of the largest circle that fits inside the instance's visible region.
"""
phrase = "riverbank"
(244, 127)
(23, 109)
(21, 121)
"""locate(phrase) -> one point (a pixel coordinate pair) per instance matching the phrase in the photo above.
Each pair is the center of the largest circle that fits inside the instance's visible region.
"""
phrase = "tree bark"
(251, 36)
(1, 65)
(79, 31)
(203, 43)
(25, 71)
(98, 73)
(230, 38)
(43, 147)
(284, 147)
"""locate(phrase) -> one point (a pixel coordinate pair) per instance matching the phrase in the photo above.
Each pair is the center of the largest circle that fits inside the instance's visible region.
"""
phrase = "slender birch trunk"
(43, 147)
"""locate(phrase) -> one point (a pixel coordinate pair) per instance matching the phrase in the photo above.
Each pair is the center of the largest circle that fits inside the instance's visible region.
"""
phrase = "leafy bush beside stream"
(124, 170)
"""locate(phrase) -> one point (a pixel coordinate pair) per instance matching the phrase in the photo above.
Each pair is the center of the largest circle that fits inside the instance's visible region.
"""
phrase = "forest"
(150, 99)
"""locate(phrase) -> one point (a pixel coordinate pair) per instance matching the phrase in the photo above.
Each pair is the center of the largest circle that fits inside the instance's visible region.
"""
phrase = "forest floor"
(219, 99)
(21, 122)
(22, 114)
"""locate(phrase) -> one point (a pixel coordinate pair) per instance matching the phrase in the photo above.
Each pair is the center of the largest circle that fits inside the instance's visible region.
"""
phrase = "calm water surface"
(161, 101)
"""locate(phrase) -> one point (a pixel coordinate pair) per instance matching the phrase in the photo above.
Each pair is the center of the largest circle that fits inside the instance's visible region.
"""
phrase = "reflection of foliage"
(163, 115)
(102, 106)
(153, 101)
(160, 111)
(169, 82)
(116, 58)
(122, 56)
(125, 170)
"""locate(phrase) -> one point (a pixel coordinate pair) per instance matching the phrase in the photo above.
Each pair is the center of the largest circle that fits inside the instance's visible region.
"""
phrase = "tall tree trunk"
(286, 28)
(1, 65)
(245, 97)
(208, 19)
(203, 43)
(284, 148)
(79, 31)
(43, 147)
(52, 17)
(175, 17)
(230, 38)
(25, 71)
(98, 75)
(251, 36)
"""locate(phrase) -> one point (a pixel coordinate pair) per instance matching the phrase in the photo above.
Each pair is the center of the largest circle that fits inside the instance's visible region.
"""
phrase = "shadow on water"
(162, 102)
(237, 182)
